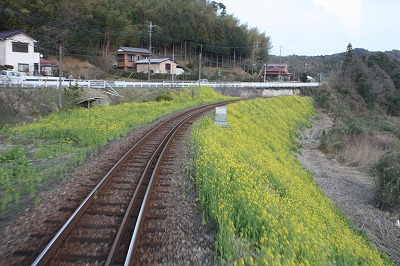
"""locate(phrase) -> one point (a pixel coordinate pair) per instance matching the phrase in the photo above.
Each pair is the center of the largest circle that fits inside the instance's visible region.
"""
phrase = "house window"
(120, 58)
(132, 58)
(19, 47)
(168, 67)
(23, 67)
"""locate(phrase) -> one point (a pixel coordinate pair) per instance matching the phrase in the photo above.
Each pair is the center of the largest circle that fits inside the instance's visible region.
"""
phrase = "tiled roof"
(277, 65)
(276, 71)
(7, 34)
(152, 61)
(44, 62)
(134, 50)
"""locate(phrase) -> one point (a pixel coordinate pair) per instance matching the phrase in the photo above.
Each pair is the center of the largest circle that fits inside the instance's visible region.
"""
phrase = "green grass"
(46, 150)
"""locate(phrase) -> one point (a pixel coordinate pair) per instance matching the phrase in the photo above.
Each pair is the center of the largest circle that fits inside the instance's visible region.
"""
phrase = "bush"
(164, 96)
(19, 178)
(388, 181)
(71, 96)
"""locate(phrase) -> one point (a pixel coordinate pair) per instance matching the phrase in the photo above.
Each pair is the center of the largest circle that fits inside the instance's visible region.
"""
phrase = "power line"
(81, 28)
(70, 49)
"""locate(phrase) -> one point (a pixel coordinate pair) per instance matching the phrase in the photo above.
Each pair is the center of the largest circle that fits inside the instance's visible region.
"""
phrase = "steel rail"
(54, 243)
(161, 148)
(134, 240)
(59, 237)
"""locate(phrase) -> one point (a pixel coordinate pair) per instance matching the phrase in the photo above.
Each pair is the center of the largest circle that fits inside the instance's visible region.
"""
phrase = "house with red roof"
(277, 72)
(46, 67)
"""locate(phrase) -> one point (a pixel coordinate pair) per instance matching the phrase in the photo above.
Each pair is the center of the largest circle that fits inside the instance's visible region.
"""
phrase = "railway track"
(107, 226)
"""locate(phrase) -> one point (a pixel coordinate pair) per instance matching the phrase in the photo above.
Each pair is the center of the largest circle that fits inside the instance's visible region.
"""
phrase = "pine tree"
(349, 56)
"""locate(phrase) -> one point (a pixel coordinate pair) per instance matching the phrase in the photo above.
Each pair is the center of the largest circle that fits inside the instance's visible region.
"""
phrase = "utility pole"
(280, 62)
(252, 63)
(59, 79)
(255, 47)
(173, 60)
(265, 72)
(201, 51)
(150, 33)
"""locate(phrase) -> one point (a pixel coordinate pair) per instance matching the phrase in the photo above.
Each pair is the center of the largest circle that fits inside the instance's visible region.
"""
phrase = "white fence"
(54, 82)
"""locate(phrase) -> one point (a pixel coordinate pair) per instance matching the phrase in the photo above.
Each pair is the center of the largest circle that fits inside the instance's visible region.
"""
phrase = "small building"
(18, 50)
(46, 67)
(277, 72)
(127, 58)
(157, 65)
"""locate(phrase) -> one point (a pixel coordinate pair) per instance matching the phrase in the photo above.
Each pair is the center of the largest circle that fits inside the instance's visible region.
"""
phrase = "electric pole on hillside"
(280, 62)
(173, 60)
(255, 47)
(151, 26)
(201, 51)
(59, 79)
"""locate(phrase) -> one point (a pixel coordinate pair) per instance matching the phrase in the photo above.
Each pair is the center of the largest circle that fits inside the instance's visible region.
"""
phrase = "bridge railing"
(54, 82)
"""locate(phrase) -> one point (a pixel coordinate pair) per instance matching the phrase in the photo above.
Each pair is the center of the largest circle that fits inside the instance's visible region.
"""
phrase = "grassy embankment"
(267, 208)
(34, 154)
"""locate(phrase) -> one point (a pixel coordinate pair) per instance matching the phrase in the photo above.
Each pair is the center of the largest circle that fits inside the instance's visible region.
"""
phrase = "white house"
(18, 50)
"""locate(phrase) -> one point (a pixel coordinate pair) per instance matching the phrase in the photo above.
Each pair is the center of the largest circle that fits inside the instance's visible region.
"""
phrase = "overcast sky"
(322, 27)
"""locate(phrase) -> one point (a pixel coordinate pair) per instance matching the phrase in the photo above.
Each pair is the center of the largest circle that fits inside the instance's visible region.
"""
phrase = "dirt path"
(350, 191)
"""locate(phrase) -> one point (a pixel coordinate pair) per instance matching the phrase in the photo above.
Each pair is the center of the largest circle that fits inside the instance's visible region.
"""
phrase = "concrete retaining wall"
(252, 92)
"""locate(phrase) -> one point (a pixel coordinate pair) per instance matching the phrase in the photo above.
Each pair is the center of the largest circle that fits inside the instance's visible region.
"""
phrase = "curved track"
(106, 226)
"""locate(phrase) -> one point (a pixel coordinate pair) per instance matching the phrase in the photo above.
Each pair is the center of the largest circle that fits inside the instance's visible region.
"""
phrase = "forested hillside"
(363, 98)
(323, 67)
(99, 27)
(367, 81)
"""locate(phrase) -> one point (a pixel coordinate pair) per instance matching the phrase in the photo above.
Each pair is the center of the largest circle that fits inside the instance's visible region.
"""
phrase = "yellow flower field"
(267, 208)
(60, 141)
(96, 126)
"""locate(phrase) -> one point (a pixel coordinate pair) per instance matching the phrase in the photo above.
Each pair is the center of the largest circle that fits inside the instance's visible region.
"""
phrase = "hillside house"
(277, 72)
(18, 50)
(127, 58)
(157, 65)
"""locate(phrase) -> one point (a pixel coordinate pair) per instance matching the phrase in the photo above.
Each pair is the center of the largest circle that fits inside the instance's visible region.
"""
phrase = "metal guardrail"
(53, 82)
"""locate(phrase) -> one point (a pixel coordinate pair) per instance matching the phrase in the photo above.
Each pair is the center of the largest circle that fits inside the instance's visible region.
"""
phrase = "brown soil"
(351, 191)
(78, 68)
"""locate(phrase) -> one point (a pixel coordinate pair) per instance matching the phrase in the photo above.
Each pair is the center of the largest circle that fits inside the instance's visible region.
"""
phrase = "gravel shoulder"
(351, 191)
(193, 240)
